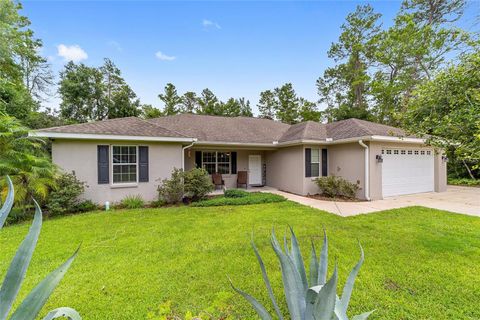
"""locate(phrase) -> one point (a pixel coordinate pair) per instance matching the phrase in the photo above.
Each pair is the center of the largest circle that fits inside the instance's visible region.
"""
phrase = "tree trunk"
(468, 169)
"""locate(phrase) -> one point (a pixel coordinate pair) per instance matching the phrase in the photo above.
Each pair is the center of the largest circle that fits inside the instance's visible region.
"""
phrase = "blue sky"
(236, 49)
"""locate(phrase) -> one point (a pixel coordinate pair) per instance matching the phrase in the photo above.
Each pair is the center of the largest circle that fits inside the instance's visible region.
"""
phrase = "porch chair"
(242, 178)
(217, 180)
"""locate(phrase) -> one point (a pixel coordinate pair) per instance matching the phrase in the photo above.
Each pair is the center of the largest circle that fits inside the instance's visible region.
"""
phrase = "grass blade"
(34, 302)
(267, 281)
(18, 266)
(325, 303)
(323, 269)
(63, 312)
(259, 308)
(8, 204)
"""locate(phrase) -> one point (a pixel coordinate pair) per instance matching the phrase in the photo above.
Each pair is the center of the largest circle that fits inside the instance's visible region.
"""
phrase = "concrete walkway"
(464, 200)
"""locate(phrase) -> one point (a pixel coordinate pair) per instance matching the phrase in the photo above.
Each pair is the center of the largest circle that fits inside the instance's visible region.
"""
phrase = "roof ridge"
(360, 123)
(307, 125)
(163, 128)
(88, 122)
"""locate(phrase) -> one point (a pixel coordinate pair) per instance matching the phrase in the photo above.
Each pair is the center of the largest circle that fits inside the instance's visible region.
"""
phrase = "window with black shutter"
(308, 162)
(198, 159)
(324, 162)
(143, 164)
(124, 164)
(234, 162)
(103, 160)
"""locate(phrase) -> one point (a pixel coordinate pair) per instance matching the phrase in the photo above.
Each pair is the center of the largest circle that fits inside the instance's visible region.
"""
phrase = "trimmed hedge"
(251, 198)
(235, 193)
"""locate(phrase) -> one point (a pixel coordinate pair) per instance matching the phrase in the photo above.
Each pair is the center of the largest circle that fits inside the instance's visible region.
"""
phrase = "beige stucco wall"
(348, 161)
(309, 185)
(81, 157)
(285, 169)
(375, 148)
(242, 161)
(440, 171)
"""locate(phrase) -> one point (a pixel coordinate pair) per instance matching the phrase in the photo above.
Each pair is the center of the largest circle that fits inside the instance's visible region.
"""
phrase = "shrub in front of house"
(464, 182)
(197, 184)
(132, 202)
(65, 197)
(333, 186)
(85, 206)
(235, 193)
(250, 198)
(171, 190)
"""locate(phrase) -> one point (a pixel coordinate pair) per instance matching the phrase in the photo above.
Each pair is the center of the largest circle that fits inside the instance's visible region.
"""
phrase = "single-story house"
(127, 156)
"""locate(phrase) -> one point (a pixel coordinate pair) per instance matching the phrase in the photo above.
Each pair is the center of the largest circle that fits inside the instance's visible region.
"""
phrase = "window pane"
(132, 177)
(315, 169)
(223, 157)
(209, 157)
(210, 167)
(315, 155)
(224, 168)
(124, 154)
(132, 158)
(124, 173)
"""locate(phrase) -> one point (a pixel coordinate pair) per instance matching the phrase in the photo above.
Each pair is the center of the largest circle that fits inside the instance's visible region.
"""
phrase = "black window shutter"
(103, 165)
(308, 162)
(143, 164)
(234, 163)
(324, 162)
(198, 159)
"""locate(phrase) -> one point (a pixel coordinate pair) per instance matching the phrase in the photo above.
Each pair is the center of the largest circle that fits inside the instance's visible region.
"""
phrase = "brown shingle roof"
(352, 128)
(130, 126)
(231, 129)
(309, 130)
(224, 129)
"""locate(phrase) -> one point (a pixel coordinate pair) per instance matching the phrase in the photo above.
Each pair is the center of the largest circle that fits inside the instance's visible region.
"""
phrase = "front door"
(255, 169)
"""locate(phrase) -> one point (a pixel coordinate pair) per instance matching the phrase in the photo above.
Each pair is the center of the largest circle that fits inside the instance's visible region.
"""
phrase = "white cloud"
(164, 57)
(210, 24)
(71, 53)
(114, 44)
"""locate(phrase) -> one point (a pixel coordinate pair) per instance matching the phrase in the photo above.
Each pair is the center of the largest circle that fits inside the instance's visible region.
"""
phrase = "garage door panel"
(405, 172)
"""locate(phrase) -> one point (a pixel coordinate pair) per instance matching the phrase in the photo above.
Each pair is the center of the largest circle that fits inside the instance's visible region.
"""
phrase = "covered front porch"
(229, 162)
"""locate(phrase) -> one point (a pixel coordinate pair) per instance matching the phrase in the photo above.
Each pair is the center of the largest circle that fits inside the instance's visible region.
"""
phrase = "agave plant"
(314, 298)
(36, 299)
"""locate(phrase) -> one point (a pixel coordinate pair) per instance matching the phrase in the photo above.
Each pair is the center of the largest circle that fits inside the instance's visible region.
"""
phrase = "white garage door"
(406, 171)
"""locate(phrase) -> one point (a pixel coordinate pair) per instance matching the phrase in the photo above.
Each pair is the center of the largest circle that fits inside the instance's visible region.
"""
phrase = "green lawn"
(420, 263)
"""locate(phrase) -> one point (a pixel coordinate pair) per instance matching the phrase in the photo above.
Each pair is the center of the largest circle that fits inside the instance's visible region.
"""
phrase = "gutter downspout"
(183, 152)
(367, 180)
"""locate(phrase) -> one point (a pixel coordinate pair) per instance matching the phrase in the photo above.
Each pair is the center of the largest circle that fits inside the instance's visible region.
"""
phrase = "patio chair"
(218, 180)
(242, 178)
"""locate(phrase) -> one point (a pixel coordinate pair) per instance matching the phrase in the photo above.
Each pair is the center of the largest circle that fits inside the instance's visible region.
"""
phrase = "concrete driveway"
(464, 200)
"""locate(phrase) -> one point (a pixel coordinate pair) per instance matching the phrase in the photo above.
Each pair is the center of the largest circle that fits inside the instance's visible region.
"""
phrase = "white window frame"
(216, 160)
(316, 162)
(120, 184)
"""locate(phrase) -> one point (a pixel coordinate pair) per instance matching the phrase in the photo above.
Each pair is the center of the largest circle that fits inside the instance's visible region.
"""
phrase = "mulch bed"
(340, 198)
